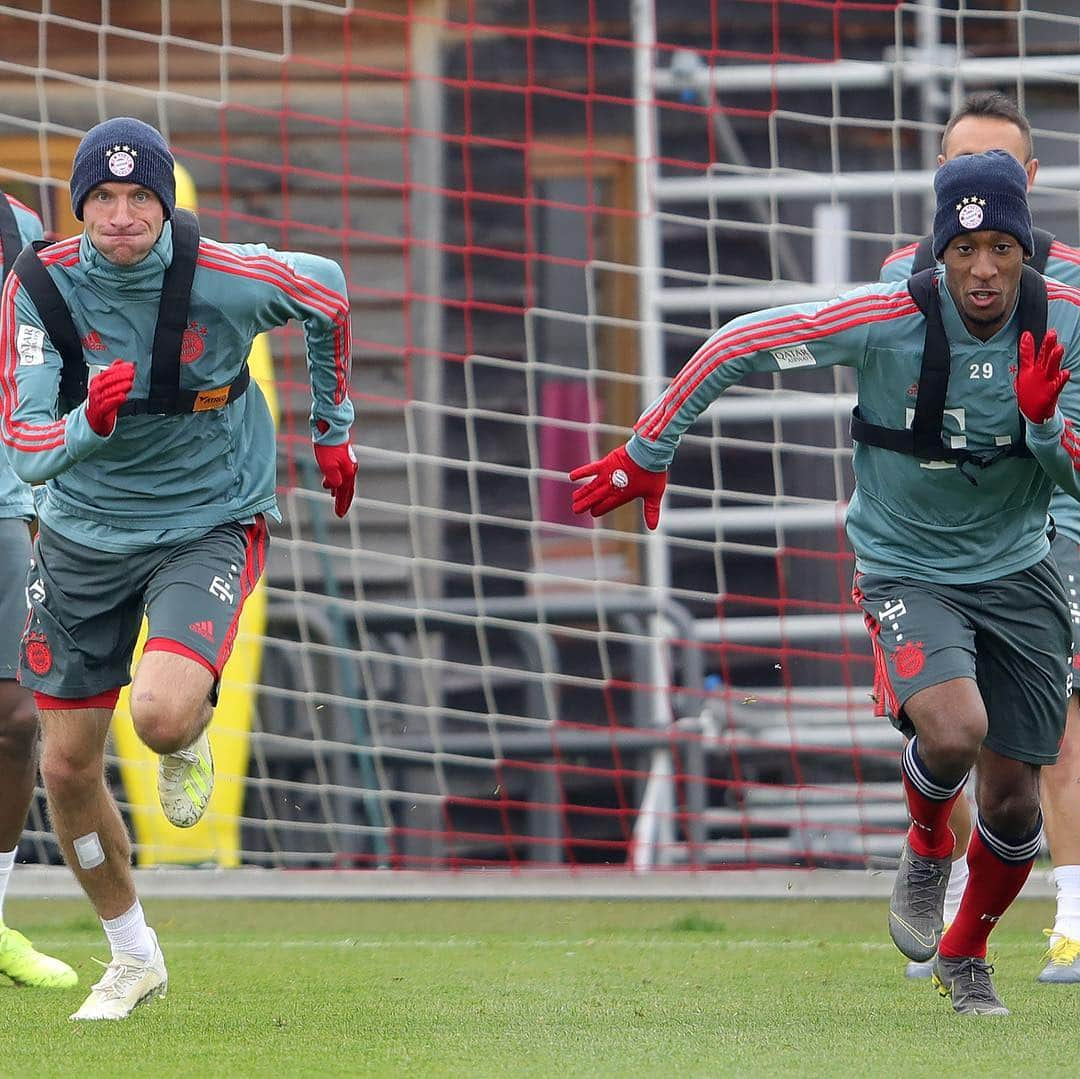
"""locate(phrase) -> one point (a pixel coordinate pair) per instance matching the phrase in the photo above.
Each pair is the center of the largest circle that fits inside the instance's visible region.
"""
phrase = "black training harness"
(924, 439)
(166, 397)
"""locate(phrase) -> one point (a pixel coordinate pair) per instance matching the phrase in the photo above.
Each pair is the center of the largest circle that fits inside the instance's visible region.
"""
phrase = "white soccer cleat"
(126, 983)
(186, 781)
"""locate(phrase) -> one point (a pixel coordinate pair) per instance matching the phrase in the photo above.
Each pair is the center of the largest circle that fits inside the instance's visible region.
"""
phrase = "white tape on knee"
(88, 851)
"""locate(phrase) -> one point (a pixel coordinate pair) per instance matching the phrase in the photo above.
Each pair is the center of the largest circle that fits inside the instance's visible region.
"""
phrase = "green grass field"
(533, 988)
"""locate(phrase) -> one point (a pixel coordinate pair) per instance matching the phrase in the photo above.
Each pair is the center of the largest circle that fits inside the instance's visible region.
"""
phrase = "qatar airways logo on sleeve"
(797, 356)
(30, 345)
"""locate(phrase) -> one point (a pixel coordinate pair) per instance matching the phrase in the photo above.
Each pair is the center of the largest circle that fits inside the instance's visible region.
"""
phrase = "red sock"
(929, 804)
(998, 871)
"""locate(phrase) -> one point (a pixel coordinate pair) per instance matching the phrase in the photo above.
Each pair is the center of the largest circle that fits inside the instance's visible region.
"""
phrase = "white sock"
(954, 890)
(7, 864)
(1067, 921)
(130, 935)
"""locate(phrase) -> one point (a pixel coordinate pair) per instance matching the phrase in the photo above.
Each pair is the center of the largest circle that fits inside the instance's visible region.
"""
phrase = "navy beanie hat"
(125, 151)
(979, 192)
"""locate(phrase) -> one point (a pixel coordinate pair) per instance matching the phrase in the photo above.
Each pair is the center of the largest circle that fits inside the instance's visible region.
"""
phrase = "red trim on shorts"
(885, 700)
(253, 568)
(45, 703)
(164, 644)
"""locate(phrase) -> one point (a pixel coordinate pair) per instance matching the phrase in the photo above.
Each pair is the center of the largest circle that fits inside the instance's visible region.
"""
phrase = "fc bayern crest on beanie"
(126, 151)
(981, 192)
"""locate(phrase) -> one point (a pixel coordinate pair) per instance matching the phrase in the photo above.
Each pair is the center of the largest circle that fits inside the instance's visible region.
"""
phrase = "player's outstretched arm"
(819, 334)
(615, 480)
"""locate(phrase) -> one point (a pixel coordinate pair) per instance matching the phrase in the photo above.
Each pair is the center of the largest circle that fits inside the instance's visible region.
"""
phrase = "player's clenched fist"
(616, 480)
(338, 466)
(1040, 380)
(106, 393)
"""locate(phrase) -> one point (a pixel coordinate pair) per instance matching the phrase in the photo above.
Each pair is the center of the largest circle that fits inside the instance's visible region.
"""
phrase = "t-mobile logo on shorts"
(892, 612)
(221, 589)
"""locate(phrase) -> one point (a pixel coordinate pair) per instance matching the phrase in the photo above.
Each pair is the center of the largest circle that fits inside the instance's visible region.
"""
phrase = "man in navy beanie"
(128, 151)
(125, 392)
(982, 194)
(986, 120)
(958, 446)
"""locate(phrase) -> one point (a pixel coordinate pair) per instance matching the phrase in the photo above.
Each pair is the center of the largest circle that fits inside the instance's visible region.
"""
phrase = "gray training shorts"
(86, 606)
(1012, 636)
(14, 558)
(1066, 554)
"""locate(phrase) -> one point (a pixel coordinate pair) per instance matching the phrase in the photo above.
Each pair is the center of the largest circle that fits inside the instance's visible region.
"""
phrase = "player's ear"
(1031, 168)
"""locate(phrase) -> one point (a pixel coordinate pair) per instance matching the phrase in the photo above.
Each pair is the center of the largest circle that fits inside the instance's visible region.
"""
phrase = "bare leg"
(960, 823)
(18, 759)
(170, 701)
(83, 809)
(951, 722)
(1060, 790)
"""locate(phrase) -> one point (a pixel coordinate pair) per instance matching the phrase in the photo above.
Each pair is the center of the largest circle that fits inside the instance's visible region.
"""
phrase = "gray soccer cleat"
(918, 899)
(922, 970)
(1062, 961)
(967, 980)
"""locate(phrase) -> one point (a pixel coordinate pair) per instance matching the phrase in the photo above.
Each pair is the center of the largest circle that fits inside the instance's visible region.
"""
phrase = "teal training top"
(921, 519)
(166, 479)
(16, 499)
(1062, 264)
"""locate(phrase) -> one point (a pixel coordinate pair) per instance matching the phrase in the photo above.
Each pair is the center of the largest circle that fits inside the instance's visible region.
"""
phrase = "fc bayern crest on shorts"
(121, 159)
(909, 659)
(38, 653)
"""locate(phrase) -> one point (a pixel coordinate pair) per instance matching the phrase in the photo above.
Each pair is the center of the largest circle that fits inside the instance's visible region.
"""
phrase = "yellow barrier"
(216, 838)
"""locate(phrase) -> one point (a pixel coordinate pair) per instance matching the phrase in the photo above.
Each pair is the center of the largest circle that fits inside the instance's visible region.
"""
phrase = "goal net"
(542, 210)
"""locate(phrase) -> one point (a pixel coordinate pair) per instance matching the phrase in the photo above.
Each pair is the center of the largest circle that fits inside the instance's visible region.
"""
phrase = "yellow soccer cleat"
(186, 781)
(126, 983)
(26, 966)
(1062, 960)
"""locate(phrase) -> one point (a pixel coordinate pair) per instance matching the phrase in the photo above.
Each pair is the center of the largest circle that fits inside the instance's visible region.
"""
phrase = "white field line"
(585, 945)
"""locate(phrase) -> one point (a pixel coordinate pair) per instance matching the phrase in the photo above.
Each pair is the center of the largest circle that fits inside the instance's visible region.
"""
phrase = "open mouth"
(983, 297)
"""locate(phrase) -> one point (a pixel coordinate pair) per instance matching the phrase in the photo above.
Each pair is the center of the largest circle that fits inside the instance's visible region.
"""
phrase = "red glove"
(618, 479)
(107, 392)
(338, 466)
(1041, 379)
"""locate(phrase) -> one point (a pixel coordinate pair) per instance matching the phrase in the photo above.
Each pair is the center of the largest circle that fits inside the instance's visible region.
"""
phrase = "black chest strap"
(172, 317)
(924, 439)
(10, 240)
(924, 255)
(56, 318)
(166, 398)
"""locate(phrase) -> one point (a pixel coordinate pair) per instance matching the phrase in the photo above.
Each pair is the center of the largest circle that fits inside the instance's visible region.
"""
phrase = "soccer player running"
(948, 524)
(19, 960)
(989, 120)
(159, 472)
